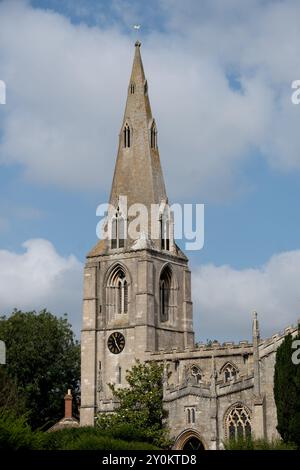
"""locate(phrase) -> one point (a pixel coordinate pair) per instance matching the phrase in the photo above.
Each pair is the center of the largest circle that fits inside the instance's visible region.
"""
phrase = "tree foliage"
(43, 360)
(287, 391)
(16, 434)
(10, 398)
(140, 405)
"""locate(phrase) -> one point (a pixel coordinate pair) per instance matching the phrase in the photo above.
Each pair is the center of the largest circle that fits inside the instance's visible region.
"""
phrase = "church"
(137, 305)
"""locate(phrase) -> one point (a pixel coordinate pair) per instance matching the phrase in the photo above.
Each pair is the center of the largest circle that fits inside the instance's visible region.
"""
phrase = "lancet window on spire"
(153, 136)
(164, 231)
(132, 88)
(118, 231)
(126, 136)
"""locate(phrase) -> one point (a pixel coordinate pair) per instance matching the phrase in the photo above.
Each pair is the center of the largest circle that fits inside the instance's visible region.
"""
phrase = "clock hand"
(115, 341)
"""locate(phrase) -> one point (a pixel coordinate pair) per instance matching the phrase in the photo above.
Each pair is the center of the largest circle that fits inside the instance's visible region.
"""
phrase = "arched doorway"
(190, 440)
(193, 443)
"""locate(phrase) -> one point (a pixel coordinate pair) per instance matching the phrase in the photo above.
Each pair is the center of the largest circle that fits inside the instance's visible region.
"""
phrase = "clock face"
(116, 342)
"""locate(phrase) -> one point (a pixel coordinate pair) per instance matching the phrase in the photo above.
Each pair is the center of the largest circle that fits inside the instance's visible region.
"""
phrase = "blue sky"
(220, 85)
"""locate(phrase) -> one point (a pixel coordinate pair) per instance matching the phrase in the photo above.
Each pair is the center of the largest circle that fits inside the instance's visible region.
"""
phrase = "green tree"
(10, 399)
(43, 359)
(140, 408)
(287, 391)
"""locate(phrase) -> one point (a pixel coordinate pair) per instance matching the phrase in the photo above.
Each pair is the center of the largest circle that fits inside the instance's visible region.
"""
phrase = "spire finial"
(136, 27)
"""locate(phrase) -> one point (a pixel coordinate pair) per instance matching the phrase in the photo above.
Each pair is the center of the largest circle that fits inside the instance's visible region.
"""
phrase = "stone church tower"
(137, 305)
(137, 290)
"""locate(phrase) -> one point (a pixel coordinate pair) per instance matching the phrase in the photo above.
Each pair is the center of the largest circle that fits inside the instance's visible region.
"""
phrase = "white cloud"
(224, 297)
(41, 278)
(66, 91)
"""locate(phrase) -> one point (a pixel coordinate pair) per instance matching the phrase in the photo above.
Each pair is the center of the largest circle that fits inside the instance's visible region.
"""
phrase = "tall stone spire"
(138, 173)
(138, 176)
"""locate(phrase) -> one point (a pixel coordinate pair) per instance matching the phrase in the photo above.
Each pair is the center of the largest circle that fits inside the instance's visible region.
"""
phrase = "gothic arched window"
(117, 231)
(126, 132)
(196, 374)
(117, 291)
(238, 422)
(153, 136)
(230, 372)
(122, 294)
(132, 88)
(168, 295)
(164, 292)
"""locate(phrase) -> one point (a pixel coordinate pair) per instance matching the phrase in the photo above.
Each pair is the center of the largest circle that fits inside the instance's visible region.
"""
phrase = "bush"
(127, 432)
(89, 438)
(130, 432)
(258, 444)
(16, 434)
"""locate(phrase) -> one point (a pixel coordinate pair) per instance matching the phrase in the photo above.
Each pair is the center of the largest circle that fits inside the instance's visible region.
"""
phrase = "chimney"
(68, 404)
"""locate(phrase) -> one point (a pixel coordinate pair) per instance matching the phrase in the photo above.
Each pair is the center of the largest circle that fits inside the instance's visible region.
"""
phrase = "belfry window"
(117, 293)
(122, 294)
(126, 136)
(153, 136)
(238, 423)
(165, 284)
(163, 300)
(118, 231)
(132, 87)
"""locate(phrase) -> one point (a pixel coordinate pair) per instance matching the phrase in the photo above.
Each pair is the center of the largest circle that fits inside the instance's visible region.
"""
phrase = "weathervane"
(137, 27)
